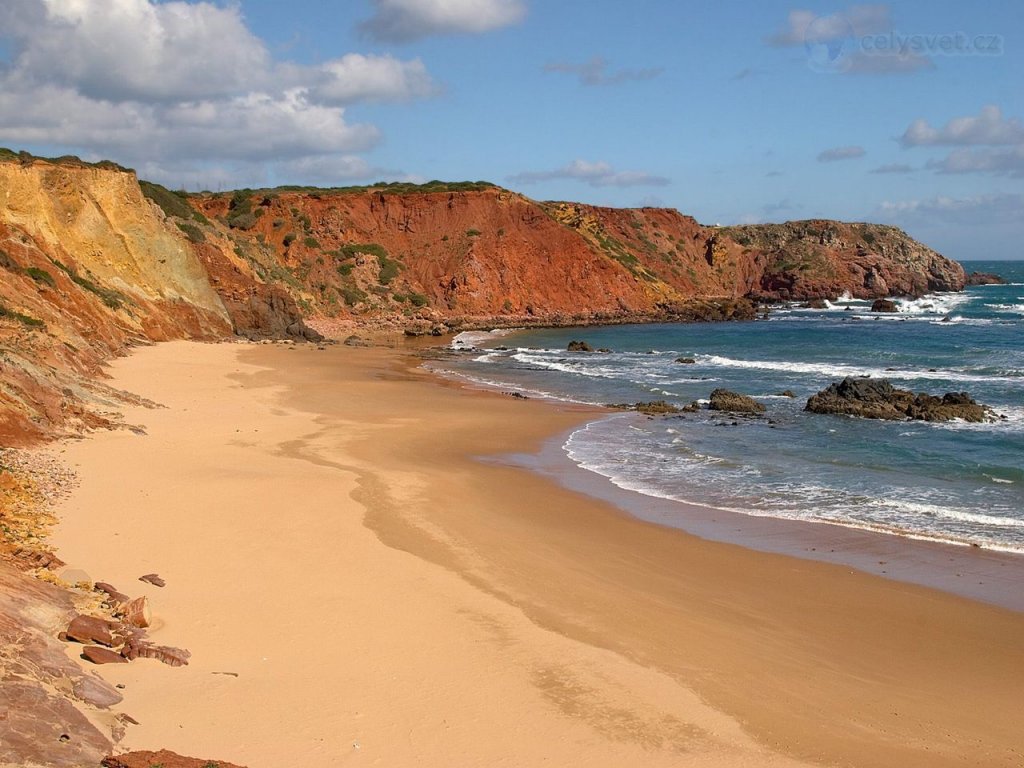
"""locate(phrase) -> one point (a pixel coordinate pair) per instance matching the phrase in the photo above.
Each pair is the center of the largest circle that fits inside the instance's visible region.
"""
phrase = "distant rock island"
(93, 261)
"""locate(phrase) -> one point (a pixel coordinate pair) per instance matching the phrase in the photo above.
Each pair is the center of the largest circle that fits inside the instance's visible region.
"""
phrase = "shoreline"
(984, 574)
(340, 485)
(947, 566)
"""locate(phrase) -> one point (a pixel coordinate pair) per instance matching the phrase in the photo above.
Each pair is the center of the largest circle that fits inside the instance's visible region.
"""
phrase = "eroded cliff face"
(92, 263)
(490, 256)
(88, 266)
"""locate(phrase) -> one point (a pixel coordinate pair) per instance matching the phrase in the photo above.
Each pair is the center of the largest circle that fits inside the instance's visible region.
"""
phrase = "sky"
(907, 113)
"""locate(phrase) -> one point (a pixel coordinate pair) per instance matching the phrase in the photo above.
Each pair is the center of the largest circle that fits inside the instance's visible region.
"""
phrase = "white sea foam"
(641, 466)
(472, 339)
(835, 370)
(932, 303)
(1016, 309)
(488, 357)
(505, 386)
(1000, 480)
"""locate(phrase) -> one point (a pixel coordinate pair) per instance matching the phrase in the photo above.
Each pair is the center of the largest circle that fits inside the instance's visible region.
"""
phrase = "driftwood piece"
(154, 579)
(136, 613)
(99, 655)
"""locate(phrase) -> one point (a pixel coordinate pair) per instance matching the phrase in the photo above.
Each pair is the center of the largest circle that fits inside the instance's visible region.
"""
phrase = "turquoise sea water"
(954, 482)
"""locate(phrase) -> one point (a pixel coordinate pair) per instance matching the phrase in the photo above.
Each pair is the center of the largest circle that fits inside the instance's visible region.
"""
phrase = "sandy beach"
(357, 587)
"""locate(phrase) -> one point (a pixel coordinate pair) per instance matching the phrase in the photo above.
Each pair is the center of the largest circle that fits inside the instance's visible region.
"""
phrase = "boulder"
(357, 341)
(685, 360)
(99, 655)
(137, 613)
(731, 402)
(92, 629)
(815, 304)
(579, 346)
(884, 305)
(879, 399)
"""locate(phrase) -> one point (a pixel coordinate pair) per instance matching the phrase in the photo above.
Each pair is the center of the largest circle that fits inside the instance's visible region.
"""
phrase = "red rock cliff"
(92, 263)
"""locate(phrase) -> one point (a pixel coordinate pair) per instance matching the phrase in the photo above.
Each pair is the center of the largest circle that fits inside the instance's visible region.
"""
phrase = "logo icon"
(829, 42)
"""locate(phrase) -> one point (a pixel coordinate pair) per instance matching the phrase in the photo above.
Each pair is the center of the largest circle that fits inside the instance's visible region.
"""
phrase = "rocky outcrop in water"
(650, 408)
(884, 305)
(879, 399)
(984, 278)
(731, 402)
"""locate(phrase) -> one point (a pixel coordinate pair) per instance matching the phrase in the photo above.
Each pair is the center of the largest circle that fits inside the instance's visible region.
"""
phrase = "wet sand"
(329, 536)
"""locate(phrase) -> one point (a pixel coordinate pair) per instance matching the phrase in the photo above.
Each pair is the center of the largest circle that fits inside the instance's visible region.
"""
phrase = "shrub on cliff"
(192, 232)
(172, 203)
(41, 276)
(29, 322)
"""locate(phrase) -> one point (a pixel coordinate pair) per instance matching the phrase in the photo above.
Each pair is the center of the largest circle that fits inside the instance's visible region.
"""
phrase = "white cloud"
(355, 77)
(595, 72)
(987, 127)
(840, 153)
(1001, 162)
(401, 21)
(985, 143)
(169, 85)
(598, 174)
(980, 210)
(131, 49)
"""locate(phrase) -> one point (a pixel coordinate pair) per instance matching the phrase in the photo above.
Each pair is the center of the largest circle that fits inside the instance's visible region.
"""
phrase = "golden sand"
(357, 587)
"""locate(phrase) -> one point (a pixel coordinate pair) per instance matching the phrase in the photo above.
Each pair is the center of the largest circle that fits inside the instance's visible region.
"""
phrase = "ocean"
(953, 482)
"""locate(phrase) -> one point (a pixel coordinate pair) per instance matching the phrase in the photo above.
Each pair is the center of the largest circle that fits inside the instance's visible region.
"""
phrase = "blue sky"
(731, 112)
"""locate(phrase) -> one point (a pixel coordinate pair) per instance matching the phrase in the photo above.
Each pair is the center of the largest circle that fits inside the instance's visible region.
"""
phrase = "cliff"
(478, 254)
(92, 262)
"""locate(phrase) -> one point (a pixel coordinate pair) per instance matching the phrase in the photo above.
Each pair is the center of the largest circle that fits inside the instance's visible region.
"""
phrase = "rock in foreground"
(163, 758)
(878, 399)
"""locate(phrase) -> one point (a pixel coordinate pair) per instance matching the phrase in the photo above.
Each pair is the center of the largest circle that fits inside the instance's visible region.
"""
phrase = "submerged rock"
(579, 346)
(731, 402)
(651, 408)
(879, 399)
(685, 360)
